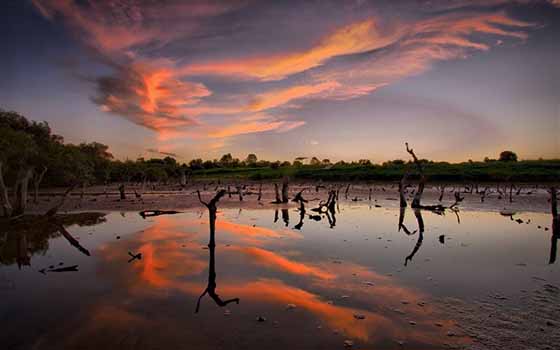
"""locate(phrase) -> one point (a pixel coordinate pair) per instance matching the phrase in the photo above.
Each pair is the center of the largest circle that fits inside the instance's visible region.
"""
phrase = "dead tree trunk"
(260, 192)
(21, 191)
(54, 210)
(441, 193)
(122, 192)
(416, 202)
(285, 181)
(240, 192)
(6, 206)
(277, 192)
(511, 193)
(37, 179)
(183, 180)
(82, 193)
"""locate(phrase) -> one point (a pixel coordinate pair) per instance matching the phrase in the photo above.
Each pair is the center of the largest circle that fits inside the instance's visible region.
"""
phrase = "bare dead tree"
(37, 179)
(285, 181)
(346, 191)
(278, 200)
(416, 202)
(298, 198)
(442, 192)
(485, 193)
(239, 192)
(329, 205)
(122, 192)
(458, 199)
(418, 195)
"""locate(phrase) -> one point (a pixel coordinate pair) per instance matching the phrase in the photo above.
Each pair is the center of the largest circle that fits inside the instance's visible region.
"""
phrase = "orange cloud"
(149, 95)
(253, 126)
(353, 38)
(152, 88)
(280, 97)
(276, 261)
(441, 38)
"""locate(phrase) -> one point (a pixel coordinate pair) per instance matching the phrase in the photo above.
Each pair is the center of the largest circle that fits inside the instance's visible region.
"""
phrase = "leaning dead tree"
(52, 211)
(211, 287)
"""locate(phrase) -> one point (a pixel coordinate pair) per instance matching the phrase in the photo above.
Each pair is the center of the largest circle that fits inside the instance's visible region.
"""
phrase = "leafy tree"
(196, 164)
(508, 156)
(226, 160)
(251, 159)
(315, 161)
(365, 162)
(17, 149)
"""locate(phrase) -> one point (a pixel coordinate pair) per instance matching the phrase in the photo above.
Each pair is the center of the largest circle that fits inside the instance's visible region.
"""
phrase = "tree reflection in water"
(211, 287)
(30, 236)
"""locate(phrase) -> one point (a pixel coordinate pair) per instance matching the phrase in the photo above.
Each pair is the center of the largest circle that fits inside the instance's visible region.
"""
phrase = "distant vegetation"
(31, 155)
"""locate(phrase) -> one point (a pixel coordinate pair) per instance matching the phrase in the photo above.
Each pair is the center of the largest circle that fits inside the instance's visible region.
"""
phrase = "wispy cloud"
(156, 80)
(354, 38)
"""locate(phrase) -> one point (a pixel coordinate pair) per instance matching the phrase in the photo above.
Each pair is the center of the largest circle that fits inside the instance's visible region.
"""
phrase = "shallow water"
(313, 287)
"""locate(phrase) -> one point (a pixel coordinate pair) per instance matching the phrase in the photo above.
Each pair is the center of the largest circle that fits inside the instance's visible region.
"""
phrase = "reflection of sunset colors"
(168, 265)
(195, 77)
(275, 261)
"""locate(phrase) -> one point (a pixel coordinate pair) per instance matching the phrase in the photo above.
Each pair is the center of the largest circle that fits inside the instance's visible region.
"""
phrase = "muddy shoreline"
(99, 198)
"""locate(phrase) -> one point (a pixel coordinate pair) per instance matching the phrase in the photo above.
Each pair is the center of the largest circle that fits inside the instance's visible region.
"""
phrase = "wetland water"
(356, 280)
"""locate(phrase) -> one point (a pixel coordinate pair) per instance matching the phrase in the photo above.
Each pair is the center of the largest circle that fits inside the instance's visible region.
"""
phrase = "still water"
(273, 281)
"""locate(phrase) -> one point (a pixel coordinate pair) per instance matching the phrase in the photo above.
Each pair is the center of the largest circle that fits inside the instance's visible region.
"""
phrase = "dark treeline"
(31, 155)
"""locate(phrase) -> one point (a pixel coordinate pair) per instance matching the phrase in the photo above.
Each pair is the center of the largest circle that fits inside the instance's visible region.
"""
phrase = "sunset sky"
(333, 79)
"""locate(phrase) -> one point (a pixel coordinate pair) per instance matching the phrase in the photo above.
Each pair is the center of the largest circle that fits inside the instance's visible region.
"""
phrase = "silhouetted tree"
(508, 156)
